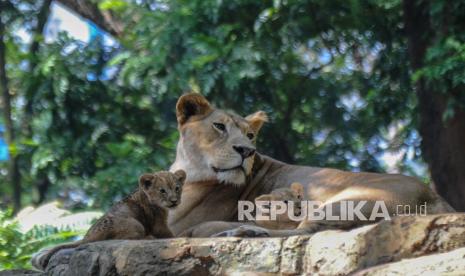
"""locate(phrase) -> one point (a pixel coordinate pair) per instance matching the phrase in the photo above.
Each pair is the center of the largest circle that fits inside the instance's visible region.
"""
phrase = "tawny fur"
(201, 147)
(141, 215)
(294, 194)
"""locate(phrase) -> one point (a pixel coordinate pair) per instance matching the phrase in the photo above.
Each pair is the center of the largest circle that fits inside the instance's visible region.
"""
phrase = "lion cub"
(294, 193)
(141, 215)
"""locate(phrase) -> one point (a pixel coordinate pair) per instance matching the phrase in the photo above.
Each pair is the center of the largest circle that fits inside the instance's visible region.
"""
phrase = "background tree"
(336, 77)
(14, 176)
(436, 43)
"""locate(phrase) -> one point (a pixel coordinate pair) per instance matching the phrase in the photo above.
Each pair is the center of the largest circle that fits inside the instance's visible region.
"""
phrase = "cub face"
(295, 194)
(163, 188)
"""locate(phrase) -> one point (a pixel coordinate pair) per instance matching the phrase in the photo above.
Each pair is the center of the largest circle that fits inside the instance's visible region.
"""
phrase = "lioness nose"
(244, 151)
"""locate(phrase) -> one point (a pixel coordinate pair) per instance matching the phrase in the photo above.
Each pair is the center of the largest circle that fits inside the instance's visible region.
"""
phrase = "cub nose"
(173, 201)
(244, 151)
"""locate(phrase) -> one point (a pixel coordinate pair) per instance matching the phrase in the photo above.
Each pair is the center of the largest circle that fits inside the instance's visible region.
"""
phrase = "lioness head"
(163, 188)
(215, 144)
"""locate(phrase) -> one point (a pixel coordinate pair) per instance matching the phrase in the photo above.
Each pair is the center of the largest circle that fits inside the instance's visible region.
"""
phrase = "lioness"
(141, 215)
(217, 150)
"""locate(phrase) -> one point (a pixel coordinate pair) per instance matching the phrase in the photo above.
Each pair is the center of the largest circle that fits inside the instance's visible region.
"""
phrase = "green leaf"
(116, 5)
(201, 61)
(120, 58)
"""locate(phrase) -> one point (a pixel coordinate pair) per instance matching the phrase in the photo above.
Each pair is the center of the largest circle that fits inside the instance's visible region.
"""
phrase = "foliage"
(333, 84)
(443, 69)
(117, 132)
(16, 248)
(333, 76)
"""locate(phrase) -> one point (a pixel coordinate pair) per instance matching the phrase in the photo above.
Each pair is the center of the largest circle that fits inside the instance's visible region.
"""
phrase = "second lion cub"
(294, 193)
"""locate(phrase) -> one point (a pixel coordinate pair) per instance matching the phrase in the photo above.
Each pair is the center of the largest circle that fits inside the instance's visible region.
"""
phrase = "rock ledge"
(389, 246)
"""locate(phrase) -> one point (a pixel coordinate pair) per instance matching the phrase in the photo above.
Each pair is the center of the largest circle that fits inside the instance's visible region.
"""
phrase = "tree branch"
(39, 28)
(105, 20)
(37, 38)
(41, 182)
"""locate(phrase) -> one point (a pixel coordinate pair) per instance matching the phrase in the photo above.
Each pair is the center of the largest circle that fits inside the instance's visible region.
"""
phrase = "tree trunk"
(13, 169)
(443, 141)
(42, 182)
(37, 36)
(105, 20)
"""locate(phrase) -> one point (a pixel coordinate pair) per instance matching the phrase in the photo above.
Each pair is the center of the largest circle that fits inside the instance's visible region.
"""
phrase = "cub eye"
(147, 183)
(250, 135)
(163, 191)
(219, 126)
(177, 189)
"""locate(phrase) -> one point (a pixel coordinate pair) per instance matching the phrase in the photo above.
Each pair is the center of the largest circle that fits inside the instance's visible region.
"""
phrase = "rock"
(21, 272)
(325, 253)
(338, 253)
(450, 263)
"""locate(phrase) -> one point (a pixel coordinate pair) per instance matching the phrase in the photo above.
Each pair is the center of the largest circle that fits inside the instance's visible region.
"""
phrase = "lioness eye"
(177, 189)
(163, 191)
(250, 135)
(219, 126)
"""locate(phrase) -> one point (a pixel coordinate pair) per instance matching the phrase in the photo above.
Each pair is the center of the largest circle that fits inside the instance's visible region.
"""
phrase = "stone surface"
(325, 253)
(337, 252)
(20, 272)
(449, 263)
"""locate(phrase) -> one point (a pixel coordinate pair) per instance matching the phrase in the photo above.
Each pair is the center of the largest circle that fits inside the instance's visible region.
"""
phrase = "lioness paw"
(245, 231)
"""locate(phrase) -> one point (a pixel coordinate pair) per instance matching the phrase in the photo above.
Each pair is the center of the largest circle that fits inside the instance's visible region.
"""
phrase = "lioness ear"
(180, 175)
(192, 104)
(256, 120)
(145, 180)
(298, 189)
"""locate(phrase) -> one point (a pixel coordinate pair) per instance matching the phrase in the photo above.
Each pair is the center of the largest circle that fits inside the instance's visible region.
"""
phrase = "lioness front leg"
(307, 227)
(341, 217)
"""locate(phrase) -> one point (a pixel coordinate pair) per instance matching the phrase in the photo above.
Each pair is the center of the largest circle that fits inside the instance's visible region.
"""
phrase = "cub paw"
(40, 259)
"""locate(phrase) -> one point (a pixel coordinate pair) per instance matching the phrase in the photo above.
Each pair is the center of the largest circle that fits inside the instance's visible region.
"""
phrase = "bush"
(17, 247)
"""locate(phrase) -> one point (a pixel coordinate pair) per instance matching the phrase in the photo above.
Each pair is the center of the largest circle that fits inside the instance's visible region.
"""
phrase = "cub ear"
(192, 104)
(267, 197)
(180, 175)
(145, 180)
(298, 189)
(256, 120)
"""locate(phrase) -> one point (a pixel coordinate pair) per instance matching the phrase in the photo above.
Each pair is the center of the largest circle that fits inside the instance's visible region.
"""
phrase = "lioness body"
(219, 175)
(141, 215)
(325, 185)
